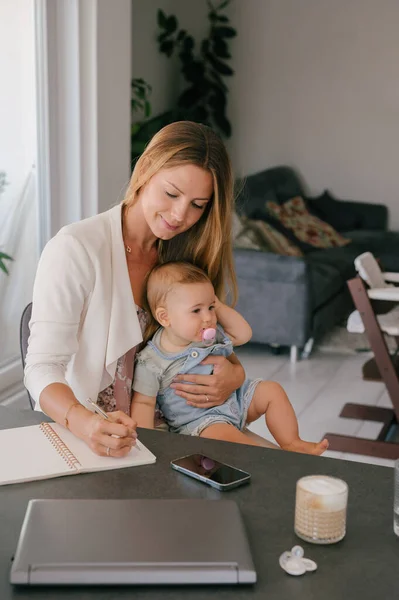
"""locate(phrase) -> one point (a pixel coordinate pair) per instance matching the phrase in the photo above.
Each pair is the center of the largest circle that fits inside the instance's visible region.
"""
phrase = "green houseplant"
(3, 255)
(204, 97)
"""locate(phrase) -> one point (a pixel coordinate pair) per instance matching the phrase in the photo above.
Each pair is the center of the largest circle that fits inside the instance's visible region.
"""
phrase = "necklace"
(127, 247)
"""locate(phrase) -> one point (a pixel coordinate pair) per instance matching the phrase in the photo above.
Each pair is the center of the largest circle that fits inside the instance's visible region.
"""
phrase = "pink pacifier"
(208, 336)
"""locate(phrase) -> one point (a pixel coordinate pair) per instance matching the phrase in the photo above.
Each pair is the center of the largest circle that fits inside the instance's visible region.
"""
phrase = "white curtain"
(18, 237)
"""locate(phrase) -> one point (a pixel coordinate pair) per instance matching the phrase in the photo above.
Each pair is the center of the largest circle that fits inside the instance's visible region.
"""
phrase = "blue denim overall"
(189, 420)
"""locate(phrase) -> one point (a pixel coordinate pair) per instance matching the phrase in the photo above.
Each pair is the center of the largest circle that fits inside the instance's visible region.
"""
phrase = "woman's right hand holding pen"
(113, 434)
(112, 437)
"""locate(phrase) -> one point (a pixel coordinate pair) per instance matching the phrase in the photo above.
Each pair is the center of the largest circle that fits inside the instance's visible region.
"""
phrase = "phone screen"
(211, 469)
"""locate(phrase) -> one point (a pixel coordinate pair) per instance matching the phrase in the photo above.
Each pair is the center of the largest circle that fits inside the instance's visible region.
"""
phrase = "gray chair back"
(23, 340)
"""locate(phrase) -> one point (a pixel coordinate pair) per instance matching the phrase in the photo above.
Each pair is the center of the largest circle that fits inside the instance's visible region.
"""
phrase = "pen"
(102, 412)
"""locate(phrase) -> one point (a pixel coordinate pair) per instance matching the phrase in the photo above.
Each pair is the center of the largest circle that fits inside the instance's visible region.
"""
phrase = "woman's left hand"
(205, 391)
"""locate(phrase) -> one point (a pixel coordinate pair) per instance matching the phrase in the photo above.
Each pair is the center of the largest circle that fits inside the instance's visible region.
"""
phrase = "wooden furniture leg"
(387, 369)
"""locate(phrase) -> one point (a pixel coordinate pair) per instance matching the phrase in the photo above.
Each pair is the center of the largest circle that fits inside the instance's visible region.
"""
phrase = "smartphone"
(219, 475)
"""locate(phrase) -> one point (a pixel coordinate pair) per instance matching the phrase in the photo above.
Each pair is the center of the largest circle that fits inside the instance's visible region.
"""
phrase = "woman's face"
(174, 199)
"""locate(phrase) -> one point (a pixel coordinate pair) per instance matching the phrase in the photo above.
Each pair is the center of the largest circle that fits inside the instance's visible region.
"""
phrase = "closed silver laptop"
(132, 542)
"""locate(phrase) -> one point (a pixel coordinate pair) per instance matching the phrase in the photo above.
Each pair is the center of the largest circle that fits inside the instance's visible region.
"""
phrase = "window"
(18, 197)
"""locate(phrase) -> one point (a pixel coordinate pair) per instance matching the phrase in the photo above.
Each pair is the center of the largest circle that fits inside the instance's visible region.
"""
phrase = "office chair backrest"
(24, 333)
(369, 270)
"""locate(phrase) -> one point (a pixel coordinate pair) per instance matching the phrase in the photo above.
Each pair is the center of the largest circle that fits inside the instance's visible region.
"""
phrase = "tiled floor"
(318, 388)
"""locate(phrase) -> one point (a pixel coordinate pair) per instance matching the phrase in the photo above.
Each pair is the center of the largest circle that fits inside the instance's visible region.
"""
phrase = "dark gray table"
(364, 565)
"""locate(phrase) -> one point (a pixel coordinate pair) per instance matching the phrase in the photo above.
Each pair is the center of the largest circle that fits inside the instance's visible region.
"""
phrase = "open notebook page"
(26, 455)
(92, 462)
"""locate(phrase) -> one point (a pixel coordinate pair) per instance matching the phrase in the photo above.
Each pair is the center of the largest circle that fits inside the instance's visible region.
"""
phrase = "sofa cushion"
(282, 182)
(324, 283)
(336, 213)
(273, 239)
(342, 259)
(383, 244)
(305, 226)
(329, 269)
(246, 237)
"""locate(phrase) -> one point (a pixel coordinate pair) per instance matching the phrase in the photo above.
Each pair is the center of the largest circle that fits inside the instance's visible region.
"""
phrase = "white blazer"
(84, 315)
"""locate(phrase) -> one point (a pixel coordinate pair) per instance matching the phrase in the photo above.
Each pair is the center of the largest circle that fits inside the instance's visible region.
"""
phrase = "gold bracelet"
(66, 422)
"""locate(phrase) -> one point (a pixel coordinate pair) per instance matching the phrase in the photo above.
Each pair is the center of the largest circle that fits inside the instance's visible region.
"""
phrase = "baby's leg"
(259, 440)
(270, 399)
(227, 433)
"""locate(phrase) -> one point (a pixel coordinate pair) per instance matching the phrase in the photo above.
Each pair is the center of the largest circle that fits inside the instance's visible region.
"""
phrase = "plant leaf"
(186, 58)
(188, 43)
(223, 123)
(162, 36)
(3, 267)
(194, 71)
(220, 48)
(4, 256)
(189, 97)
(162, 19)
(219, 81)
(167, 47)
(219, 66)
(223, 5)
(227, 32)
(217, 100)
(171, 24)
(200, 114)
(181, 35)
(205, 46)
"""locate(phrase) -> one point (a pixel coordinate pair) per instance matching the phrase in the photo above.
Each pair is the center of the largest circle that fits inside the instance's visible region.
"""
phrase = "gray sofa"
(292, 301)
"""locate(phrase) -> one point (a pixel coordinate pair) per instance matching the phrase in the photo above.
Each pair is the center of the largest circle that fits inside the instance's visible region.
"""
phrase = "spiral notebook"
(49, 450)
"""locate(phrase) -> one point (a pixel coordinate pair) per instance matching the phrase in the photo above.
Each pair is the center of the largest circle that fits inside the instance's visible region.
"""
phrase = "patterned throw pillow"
(306, 227)
(273, 239)
(245, 237)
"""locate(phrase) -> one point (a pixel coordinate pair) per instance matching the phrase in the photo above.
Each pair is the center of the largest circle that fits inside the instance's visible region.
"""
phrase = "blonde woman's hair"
(160, 281)
(208, 244)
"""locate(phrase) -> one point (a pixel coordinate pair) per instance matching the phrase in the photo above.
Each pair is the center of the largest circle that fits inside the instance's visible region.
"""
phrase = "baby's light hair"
(159, 284)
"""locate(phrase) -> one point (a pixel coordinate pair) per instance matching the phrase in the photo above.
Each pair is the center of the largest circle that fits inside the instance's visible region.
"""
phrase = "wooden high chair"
(383, 367)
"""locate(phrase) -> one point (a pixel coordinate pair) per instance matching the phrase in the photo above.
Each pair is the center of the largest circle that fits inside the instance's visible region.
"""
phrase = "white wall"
(114, 62)
(317, 87)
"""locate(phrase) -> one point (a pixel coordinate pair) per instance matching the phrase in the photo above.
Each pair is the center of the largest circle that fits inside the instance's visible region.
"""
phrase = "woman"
(86, 320)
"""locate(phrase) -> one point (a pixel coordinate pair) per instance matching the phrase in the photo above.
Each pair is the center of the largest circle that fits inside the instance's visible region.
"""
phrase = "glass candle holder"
(320, 509)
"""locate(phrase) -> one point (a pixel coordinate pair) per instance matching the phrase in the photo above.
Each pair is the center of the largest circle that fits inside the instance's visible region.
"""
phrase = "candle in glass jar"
(320, 509)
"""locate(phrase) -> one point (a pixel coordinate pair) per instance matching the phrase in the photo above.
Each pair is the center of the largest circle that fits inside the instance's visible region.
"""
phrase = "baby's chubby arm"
(235, 326)
(143, 410)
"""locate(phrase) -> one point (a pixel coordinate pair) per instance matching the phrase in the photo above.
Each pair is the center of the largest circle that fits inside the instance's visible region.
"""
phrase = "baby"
(183, 306)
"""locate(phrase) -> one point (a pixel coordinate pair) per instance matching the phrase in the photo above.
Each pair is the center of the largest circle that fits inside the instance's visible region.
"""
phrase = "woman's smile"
(168, 225)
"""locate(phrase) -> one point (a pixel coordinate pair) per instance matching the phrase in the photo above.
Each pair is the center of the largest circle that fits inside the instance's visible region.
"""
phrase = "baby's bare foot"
(307, 447)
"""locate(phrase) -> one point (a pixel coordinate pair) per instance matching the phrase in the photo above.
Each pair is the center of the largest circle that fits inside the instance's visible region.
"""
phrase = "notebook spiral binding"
(60, 446)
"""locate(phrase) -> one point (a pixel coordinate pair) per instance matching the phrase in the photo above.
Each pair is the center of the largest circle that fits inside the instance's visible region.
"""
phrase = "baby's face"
(191, 309)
